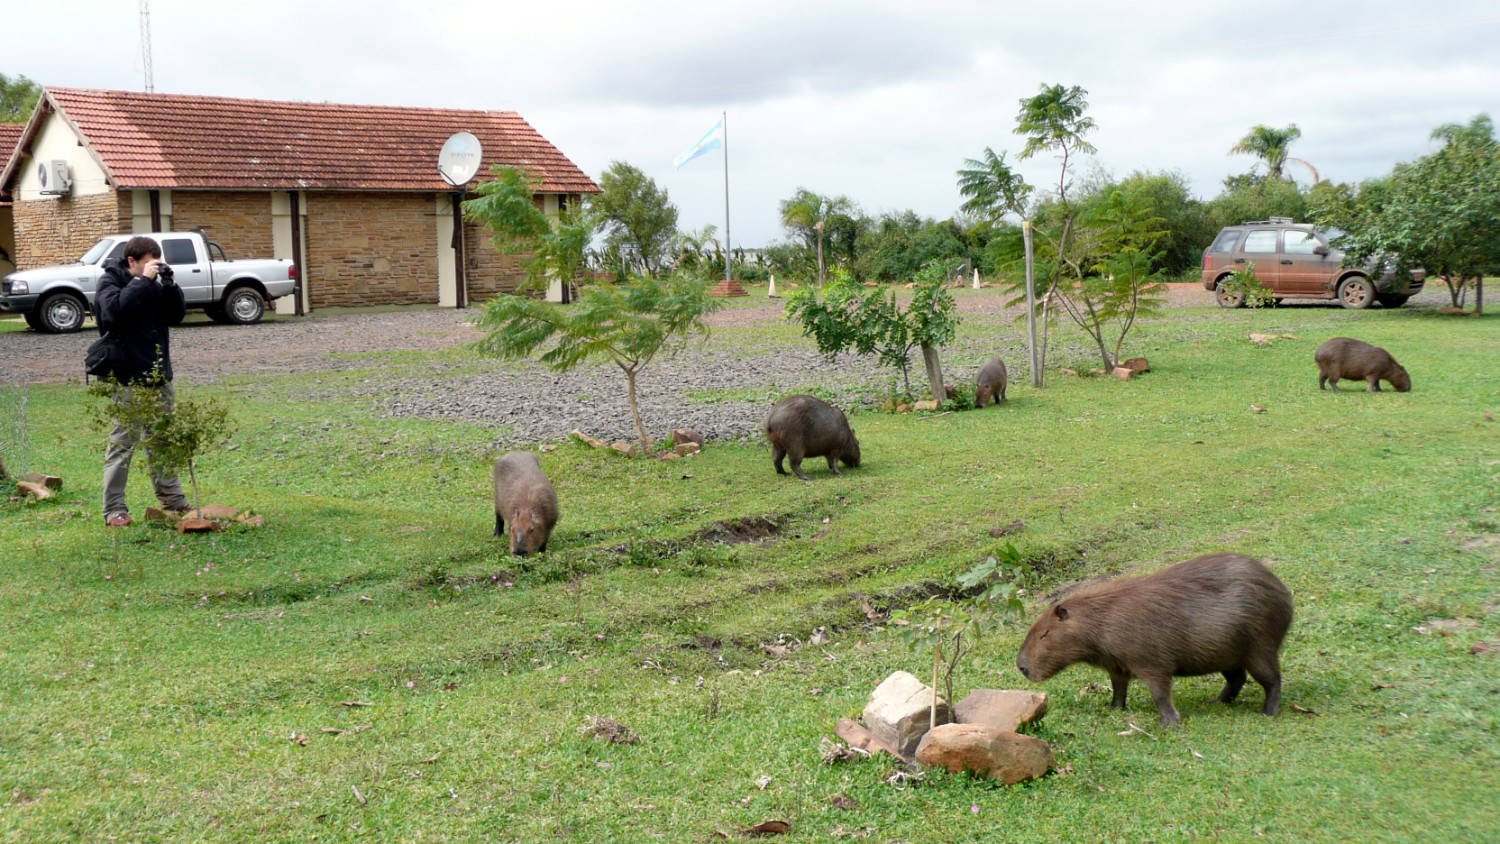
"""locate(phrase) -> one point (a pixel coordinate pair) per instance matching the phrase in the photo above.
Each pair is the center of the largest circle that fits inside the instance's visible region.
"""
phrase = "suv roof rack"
(1274, 221)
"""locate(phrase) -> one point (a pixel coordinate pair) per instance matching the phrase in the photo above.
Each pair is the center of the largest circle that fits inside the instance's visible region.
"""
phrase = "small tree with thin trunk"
(177, 435)
(630, 324)
(871, 322)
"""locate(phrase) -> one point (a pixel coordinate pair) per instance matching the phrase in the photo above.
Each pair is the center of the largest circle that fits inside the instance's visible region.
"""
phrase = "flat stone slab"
(1003, 709)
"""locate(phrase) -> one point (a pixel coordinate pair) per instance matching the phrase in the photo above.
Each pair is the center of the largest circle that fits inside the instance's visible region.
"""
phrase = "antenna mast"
(146, 44)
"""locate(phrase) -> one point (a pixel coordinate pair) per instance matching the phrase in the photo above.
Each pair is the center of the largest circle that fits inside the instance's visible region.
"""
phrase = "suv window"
(118, 253)
(1263, 240)
(178, 251)
(1299, 242)
(1225, 242)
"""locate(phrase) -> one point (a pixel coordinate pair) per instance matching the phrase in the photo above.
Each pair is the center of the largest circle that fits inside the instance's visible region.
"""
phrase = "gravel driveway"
(722, 388)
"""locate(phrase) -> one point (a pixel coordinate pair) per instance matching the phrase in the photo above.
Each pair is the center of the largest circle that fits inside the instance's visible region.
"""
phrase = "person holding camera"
(136, 301)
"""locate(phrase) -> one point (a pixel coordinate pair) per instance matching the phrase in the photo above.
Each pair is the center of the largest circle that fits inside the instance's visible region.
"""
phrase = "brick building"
(352, 193)
(10, 135)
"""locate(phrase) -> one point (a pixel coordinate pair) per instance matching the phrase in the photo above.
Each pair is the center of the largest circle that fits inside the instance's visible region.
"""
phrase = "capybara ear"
(1061, 612)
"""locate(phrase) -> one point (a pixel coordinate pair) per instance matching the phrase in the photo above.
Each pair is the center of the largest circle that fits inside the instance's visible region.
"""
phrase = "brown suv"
(1294, 260)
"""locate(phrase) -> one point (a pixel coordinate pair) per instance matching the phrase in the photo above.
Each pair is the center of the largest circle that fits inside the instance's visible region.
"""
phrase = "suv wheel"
(1227, 299)
(61, 313)
(244, 306)
(1356, 293)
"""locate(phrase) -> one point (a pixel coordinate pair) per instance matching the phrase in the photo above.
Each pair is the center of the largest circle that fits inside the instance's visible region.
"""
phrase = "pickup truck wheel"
(60, 313)
(216, 314)
(244, 306)
(33, 319)
(1227, 299)
(1356, 293)
(1392, 301)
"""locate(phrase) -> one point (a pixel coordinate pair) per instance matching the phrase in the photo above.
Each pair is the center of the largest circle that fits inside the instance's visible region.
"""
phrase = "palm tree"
(1272, 146)
(809, 215)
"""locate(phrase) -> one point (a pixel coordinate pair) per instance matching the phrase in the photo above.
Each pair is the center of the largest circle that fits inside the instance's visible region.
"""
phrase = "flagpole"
(724, 116)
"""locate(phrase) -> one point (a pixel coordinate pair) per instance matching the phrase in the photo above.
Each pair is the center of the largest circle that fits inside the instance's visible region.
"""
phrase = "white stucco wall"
(446, 255)
(281, 243)
(57, 140)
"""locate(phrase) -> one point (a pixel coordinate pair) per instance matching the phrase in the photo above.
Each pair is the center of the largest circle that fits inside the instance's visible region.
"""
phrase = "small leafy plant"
(950, 626)
(176, 433)
(1244, 283)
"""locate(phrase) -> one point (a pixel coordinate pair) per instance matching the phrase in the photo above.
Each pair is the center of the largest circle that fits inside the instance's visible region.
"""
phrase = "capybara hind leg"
(1267, 672)
(777, 455)
(833, 465)
(797, 469)
(1233, 681)
(1120, 683)
(1161, 692)
(1002, 392)
(499, 525)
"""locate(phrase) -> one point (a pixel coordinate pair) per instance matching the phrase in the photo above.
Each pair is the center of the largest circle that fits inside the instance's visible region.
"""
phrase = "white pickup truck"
(56, 299)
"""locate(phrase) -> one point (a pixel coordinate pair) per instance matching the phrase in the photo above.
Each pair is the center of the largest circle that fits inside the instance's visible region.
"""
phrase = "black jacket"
(137, 311)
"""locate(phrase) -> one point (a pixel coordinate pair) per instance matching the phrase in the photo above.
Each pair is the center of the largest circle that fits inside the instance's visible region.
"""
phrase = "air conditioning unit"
(53, 175)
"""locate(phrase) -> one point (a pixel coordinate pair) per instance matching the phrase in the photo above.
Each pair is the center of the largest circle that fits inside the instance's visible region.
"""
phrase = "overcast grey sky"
(877, 100)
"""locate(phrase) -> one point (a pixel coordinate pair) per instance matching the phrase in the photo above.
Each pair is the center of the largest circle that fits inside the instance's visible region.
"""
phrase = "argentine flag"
(713, 139)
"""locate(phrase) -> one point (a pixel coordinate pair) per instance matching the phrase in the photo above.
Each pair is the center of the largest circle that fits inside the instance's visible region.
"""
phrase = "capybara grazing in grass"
(1223, 613)
(1355, 360)
(990, 384)
(525, 497)
(802, 426)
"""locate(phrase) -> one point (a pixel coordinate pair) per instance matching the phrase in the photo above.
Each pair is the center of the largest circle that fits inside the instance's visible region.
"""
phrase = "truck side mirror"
(1320, 249)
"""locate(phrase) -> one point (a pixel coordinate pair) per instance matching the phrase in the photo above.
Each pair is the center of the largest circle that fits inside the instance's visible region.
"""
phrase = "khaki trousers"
(122, 443)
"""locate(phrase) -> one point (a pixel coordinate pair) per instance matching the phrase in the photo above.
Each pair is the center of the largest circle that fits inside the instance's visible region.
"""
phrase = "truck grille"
(5, 287)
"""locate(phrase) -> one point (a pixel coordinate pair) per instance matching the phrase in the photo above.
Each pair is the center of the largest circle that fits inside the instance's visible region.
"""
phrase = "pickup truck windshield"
(94, 254)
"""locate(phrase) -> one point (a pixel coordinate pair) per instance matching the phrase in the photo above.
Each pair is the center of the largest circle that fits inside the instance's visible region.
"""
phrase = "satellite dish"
(460, 158)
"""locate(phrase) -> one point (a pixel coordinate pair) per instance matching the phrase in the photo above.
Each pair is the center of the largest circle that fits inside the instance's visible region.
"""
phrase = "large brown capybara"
(799, 427)
(1223, 613)
(990, 383)
(525, 497)
(1355, 360)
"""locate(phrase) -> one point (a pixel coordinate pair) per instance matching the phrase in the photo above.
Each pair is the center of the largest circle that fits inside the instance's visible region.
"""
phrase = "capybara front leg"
(797, 469)
(833, 465)
(1120, 683)
(1322, 382)
(499, 525)
(1374, 384)
(1234, 680)
(1161, 692)
(777, 455)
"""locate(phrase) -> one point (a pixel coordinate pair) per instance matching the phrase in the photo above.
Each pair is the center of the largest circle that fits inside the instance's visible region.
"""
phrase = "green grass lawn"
(153, 687)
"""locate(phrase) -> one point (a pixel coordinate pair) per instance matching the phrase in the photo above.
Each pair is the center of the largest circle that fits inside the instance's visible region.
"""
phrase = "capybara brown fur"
(1220, 614)
(1355, 360)
(990, 383)
(802, 426)
(525, 498)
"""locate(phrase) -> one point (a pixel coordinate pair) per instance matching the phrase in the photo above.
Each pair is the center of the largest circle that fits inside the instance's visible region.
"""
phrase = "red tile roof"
(10, 136)
(179, 141)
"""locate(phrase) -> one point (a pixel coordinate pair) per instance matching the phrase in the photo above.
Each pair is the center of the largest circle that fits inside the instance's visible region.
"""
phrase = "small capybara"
(524, 496)
(802, 426)
(1223, 613)
(990, 384)
(1355, 360)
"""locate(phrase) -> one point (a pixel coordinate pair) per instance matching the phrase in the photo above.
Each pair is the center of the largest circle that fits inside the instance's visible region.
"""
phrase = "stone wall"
(238, 221)
(58, 231)
(488, 271)
(371, 249)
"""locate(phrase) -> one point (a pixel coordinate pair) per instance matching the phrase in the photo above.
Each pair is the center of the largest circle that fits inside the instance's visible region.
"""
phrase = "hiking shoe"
(118, 520)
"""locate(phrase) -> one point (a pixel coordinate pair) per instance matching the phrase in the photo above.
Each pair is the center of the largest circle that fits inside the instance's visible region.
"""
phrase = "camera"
(164, 274)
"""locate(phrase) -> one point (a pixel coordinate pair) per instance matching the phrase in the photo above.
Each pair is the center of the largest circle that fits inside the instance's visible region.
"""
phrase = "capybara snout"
(1344, 358)
(799, 427)
(1220, 614)
(525, 497)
